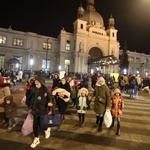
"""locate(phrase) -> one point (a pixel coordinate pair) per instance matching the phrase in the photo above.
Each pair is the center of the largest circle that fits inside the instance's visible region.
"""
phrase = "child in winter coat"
(117, 109)
(10, 111)
(82, 103)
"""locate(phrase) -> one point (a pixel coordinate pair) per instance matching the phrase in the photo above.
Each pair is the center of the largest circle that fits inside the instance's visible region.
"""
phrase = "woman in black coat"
(62, 97)
(40, 103)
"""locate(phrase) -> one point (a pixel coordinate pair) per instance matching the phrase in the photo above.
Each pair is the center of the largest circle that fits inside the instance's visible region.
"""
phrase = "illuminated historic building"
(90, 47)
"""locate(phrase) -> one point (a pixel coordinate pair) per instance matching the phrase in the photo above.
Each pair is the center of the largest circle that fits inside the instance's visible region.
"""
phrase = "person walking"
(62, 96)
(101, 102)
(40, 103)
(10, 112)
(73, 91)
(56, 80)
(94, 78)
(82, 103)
(117, 107)
(133, 86)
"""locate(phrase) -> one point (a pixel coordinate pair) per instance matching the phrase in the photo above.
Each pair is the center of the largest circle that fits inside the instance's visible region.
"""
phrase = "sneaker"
(47, 133)
(63, 120)
(14, 125)
(36, 141)
(9, 129)
(82, 125)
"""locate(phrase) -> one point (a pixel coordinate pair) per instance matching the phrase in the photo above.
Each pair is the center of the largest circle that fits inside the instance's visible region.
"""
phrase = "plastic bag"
(27, 127)
(107, 118)
(23, 101)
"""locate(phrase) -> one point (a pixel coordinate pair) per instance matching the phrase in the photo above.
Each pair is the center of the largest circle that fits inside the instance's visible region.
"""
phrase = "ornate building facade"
(89, 42)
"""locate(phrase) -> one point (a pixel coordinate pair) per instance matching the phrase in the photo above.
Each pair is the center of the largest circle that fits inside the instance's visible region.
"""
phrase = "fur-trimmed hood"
(62, 91)
(83, 89)
(117, 91)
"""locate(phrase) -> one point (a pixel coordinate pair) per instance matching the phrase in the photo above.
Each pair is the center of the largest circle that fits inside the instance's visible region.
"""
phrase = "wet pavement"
(135, 129)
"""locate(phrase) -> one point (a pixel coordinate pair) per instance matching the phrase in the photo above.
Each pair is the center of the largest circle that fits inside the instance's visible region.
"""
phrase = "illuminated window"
(68, 46)
(2, 39)
(17, 42)
(67, 62)
(131, 59)
(47, 45)
(45, 65)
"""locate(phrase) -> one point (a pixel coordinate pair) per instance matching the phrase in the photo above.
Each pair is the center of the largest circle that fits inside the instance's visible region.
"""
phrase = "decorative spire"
(80, 12)
(111, 22)
(90, 5)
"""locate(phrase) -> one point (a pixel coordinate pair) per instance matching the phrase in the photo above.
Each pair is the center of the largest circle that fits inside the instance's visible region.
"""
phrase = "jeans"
(12, 121)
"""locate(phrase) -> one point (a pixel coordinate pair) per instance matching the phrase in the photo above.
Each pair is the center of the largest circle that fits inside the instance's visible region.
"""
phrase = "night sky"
(48, 17)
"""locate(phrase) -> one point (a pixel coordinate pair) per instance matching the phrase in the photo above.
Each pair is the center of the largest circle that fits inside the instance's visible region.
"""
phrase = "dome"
(93, 16)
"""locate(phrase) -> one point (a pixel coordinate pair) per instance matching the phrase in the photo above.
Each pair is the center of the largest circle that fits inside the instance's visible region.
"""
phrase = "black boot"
(113, 121)
(79, 115)
(97, 122)
(118, 129)
(100, 124)
(82, 120)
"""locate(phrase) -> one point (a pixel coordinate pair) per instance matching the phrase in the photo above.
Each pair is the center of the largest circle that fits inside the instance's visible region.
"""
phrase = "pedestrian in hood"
(10, 112)
(102, 101)
(117, 109)
(41, 101)
(82, 103)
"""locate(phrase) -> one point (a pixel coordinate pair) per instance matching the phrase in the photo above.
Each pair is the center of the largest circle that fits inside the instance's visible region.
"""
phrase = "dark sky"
(47, 17)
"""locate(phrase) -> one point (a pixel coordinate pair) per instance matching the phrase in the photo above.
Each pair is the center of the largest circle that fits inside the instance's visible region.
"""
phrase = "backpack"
(133, 81)
(123, 82)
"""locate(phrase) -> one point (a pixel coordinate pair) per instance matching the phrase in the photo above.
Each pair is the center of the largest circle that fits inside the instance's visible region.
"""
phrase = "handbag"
(107, 118)
(27, 126)
(101, 100)
(51, 120)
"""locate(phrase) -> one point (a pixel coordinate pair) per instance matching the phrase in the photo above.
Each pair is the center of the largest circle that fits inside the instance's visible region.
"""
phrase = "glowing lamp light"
(92, 71)
(17, 65)
(125, 71)
(31, 62)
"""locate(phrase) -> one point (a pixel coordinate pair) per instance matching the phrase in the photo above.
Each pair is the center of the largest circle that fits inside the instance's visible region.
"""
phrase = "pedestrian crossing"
(135, 131)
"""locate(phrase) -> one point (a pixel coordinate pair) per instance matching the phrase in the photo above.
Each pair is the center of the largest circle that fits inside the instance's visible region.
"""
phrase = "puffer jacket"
(9, 109)
(117, 104)
(40, 99)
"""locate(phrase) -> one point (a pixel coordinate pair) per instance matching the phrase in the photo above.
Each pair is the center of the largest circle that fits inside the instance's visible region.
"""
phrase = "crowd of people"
(40, 99)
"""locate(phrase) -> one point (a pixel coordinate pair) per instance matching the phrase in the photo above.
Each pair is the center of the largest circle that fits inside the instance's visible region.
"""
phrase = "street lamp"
(31, 61)
(46, 54)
